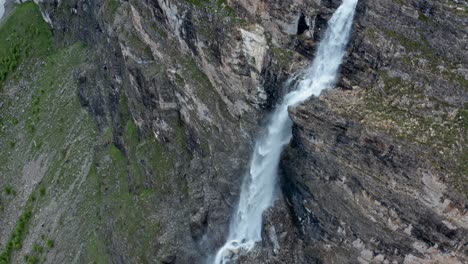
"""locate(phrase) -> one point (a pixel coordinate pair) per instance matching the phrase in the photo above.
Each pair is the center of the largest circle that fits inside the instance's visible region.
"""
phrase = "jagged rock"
(143, 138)
(366, 196)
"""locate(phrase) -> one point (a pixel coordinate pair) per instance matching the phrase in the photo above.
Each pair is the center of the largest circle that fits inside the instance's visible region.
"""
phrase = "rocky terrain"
(126, 127)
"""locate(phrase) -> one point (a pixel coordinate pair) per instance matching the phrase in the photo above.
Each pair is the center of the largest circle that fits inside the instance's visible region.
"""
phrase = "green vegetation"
(403, 108)
(31, 259)
(222, 6)
(112, 6)
(116, 154)
(215, 6)
(37, 248)
(18, 31)
(198, 3)
(204, 89)
(121, 174)
(139, 46)
(16, 240)
(125, 178)
(42, 115)
(9, 190)
(95, 251)
(284, 56)
(393, 84)
(439, 132)
(197, 75)
(456, 78)
(131, 132)
(42, 191)
(400, 2)
(49, 117)
(422, 46)
(120, 185)
(50, 243)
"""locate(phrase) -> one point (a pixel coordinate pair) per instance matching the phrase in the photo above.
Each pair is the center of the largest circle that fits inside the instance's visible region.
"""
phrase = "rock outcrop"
(126, 128)
(376, 170)
(362, 195)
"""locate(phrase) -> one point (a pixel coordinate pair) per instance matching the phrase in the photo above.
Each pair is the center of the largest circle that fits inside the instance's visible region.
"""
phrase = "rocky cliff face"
(376, 171)
(127, 130)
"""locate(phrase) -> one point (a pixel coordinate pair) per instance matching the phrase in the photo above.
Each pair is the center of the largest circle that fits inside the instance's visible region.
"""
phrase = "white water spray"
(2, 8)
(259, 184)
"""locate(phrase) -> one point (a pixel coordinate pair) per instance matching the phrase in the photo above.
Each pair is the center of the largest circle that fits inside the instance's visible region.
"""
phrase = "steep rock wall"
(176, 91)
(163, 99)
(376, 170)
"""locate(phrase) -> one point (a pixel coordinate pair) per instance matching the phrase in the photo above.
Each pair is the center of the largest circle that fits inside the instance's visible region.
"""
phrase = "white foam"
(257, 193)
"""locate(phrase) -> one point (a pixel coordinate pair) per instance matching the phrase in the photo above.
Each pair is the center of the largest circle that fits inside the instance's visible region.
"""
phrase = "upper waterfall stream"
(257, 193)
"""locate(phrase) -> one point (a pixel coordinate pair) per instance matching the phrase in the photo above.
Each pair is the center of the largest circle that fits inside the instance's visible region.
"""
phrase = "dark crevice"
(302, 25)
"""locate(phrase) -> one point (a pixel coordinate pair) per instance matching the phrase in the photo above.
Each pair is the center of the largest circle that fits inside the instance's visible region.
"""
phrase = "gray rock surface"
(148, 111)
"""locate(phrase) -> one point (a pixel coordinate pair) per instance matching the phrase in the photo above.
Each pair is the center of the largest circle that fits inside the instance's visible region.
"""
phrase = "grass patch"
(284, 56)
(42, 191)
(9, 190)
(400, 2)
(161, 160)
(112, 6)
(37, 248)
(16, 240)
(25, 34)
(116, 154)
(441, 134)
(131, 132)
(422, 46)
(198, 3)
(50, 243)
(220, 7)
(31, 259)
(45, 116)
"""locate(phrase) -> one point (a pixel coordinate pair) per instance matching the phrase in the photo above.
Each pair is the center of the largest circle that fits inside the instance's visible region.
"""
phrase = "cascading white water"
(2, 8)
(257, 193)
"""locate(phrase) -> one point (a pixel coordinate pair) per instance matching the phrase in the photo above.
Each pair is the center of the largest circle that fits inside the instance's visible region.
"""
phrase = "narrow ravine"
(257, 193)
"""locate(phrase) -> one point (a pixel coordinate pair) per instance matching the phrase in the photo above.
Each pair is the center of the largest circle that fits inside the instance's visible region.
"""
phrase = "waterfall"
(257, 192)
(2, 8)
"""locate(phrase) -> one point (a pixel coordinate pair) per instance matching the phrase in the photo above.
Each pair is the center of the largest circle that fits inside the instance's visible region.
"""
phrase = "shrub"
(42, 191)
(9, 190)
(50, 243)
(37, 248)
(16, 239)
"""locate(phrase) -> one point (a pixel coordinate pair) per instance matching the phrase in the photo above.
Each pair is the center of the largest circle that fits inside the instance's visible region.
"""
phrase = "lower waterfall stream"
(257, 191)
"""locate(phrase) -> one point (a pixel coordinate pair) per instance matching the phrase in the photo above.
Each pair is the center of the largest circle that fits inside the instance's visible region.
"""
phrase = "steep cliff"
(128, 141)
(377, 169)
(126, 127)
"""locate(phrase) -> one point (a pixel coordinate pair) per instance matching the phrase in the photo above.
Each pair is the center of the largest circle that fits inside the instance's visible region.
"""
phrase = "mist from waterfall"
(257, 191)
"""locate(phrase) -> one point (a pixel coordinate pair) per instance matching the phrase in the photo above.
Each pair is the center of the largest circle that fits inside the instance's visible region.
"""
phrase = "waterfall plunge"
(259, 183)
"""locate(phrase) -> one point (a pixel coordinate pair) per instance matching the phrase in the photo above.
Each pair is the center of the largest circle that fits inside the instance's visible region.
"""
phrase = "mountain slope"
(126, 127)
